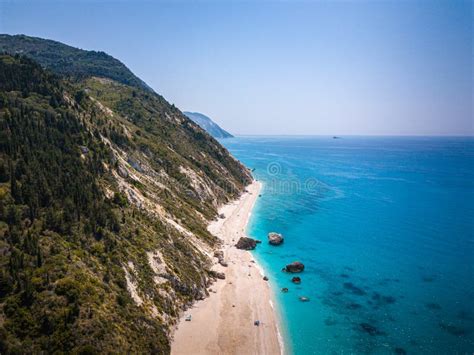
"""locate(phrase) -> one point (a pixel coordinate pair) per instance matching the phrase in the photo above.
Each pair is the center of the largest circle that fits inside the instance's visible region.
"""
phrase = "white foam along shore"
(223, 323)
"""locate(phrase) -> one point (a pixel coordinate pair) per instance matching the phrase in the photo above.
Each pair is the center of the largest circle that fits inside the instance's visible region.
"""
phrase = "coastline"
(223, 323)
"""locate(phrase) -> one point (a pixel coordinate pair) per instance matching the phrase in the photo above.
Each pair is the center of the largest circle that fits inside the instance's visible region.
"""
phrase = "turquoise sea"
(385, 228)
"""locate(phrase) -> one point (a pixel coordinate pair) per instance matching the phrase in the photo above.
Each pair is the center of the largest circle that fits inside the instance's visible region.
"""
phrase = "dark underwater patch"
(353, 306)
(399, 351)
(428, 278)
(383, 300)
(433, 306)
(354, 289)
(370, 329)
(465, 315)
(344, 276)
(453, 329)
(330, 321)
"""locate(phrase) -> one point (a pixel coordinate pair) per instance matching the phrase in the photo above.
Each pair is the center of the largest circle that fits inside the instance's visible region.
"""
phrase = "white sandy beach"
(224, 322)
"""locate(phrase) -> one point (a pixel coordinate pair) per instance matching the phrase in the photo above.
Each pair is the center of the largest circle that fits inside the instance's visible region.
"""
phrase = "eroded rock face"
(294, 267)
(122, 172)
(275, 238)
(245, 243)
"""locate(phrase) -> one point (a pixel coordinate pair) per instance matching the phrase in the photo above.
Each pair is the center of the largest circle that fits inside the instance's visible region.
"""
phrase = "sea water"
(384, 227)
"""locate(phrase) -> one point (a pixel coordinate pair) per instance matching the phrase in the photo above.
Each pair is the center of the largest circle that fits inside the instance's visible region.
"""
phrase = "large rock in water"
(245, 243)
(275, 238)
(294, 267)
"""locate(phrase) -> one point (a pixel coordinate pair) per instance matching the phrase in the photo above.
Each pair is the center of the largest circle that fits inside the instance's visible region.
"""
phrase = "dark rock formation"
(265, 278)
(294, 267)
(284, 289)
(217, 275)
(296, 280)
(245, 243)
(275, 238)
(219, 254)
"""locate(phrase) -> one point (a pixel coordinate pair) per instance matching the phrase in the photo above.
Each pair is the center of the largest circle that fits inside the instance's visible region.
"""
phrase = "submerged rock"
(294, 267)
(370, 329)
(382, 300)
(275, 238)
(245, 243)
(296, 280)
(453, 329)
(354, 306)
(354, 289)
(284, 289)
(330, 321)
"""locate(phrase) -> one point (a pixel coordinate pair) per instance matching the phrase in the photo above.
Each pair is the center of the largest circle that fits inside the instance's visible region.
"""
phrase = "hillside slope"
(105, 193)
(208, 125)
(69, 61)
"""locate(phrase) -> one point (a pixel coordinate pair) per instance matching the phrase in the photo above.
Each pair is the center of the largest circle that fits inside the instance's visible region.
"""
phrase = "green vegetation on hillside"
(69, 61)
(105, 193)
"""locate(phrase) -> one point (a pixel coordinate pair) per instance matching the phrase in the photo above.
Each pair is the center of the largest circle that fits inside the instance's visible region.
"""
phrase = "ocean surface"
(385, 228)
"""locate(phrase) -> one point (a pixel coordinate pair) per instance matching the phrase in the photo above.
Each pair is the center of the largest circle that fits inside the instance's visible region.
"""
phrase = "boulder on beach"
(223, 263)
(245, 243)
(296, 280)
(217, 275)
(220, 275)
(265, 278)
(275, 238)
(294, 267)
(219, 254)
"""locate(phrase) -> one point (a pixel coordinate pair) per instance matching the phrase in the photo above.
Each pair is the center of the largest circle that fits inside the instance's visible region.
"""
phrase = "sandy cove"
(223, 323)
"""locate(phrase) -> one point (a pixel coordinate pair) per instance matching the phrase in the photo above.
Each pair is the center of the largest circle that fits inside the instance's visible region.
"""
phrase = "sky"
(286, 67)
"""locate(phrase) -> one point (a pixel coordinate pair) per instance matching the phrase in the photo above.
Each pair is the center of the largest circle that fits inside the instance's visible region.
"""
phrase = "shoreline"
(223, 323)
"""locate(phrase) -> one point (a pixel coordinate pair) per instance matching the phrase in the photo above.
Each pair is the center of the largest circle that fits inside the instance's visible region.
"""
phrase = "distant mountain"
(209, 125)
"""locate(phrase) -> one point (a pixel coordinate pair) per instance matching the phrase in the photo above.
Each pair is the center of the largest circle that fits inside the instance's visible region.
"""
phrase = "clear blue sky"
(261, 67)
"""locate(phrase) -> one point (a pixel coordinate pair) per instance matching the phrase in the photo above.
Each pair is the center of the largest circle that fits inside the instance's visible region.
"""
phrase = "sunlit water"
(384, 227)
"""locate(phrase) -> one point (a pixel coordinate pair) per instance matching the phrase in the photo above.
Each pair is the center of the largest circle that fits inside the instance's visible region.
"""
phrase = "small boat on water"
(304, 299)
